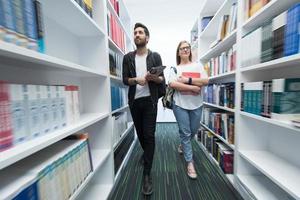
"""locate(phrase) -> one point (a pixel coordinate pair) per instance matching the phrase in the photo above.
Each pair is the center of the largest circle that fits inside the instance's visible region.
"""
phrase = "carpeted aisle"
(169, 173)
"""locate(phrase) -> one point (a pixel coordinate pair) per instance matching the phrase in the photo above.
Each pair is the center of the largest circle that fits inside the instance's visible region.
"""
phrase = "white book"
(54, 95)
(69, 106)
(19, 112)
(45, 110)
(252, 48)
(75, 94)
(34, 109)
(62, 106)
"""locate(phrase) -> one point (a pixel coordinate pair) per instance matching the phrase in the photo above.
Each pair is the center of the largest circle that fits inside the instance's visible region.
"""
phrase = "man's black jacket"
(129, 71)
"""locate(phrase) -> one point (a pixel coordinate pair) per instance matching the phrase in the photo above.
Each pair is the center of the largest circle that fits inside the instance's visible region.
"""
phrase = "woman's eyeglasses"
(185, 48)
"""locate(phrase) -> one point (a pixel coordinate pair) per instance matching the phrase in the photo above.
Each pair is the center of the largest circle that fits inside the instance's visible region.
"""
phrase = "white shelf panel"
(71, 16)
(81, 187)
(125, 159)
(269, 11)
(285, 175)
(271, 121)
(218, 136)
(261, 188)
(210, 7)
(222, 46)
(230, 178)
(27, 148)
(123, 135)
(41, 61)
(120, 109)
(285, 62)
(212, 28)
(220, 107)
(98, 157)
(96, 191)
(114, 46)
(221, 76)
(112, 10)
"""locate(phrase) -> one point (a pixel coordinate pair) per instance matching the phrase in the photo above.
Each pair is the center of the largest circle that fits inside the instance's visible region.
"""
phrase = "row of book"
(53, 173)
(252, 6)
(221, 122)
(21, 23)
(275, 39)
(86, 5)
(226, 62)
(29, 111)
(278, 99)
(227, 25)
(118, 96)
(220, 94)
(115, 4)
(115, 31)
(120, 124)
(222, 154)
(115, 63)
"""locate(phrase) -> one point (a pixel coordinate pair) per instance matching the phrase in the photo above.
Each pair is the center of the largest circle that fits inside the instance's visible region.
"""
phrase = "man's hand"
(151, 77)
(141, 81)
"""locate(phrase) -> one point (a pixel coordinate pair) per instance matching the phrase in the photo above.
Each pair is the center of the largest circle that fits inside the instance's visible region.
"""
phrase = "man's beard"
(140, 44)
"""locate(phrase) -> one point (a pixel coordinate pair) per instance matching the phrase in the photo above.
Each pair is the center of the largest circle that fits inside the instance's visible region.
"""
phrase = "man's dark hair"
(142, 26)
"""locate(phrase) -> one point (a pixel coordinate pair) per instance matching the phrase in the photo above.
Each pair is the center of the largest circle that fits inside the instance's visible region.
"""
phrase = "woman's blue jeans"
(188, 123)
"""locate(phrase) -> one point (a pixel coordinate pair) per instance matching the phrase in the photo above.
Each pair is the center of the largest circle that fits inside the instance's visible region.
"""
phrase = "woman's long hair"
(178, 59)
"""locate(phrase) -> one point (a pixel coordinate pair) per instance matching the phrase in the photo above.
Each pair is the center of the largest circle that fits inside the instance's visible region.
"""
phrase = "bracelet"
(190, 81)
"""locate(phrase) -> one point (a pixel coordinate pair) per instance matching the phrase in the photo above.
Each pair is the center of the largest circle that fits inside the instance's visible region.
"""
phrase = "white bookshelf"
(265, 163)
(120, 109)
(222, 76)
(220, 107)
(222, 46)
(76, 53)
(218, 136)
(130, 126)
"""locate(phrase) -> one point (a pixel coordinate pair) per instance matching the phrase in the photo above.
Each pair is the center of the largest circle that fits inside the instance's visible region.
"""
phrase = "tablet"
(157, 70)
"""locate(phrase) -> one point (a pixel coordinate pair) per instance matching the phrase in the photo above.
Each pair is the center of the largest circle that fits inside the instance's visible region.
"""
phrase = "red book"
(6, 134)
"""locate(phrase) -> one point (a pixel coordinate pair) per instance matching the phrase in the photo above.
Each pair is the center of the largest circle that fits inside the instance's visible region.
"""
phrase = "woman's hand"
(183, 79)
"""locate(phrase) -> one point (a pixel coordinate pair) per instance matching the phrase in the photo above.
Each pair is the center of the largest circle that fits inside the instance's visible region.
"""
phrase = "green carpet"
(169, 173)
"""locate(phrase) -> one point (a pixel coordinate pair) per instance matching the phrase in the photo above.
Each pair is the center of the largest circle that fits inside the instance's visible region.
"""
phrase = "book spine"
(39, 26)
(30, 24)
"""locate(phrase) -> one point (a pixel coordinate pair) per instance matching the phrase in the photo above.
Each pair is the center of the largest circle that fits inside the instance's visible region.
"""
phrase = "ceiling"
(169, 21)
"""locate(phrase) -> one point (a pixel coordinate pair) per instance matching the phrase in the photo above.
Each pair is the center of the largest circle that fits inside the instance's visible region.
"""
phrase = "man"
(144, 91)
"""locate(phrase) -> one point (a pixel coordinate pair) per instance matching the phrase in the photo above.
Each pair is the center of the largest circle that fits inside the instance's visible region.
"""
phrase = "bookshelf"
(76, 53)
(265, 164)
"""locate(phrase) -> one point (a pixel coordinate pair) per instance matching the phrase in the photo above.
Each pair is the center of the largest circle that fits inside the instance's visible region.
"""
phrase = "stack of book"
(218, 150)
(252, 6)
(115, 64)
(220, 94)
(87, 6)
(278, 99)
(29, 111)
(21, 23)
(275, 39)
(53, 173)
(224, 63)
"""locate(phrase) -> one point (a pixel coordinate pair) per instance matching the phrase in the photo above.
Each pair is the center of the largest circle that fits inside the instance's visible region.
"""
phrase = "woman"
(187, 80)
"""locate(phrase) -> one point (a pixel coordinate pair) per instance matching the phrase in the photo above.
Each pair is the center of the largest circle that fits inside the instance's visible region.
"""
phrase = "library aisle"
(169, 178)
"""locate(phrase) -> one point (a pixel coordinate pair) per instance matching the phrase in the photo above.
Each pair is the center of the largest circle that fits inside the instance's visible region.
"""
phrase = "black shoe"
(147, 185)
(141, 161)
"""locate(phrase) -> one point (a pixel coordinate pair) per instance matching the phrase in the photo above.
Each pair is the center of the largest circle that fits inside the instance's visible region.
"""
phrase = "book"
(39, 26)
(17, 6)
(286, 99)
(266, 44)
(8, 21)
(30, 24)
(19, 112)
(34, 110)
(6, 133)
(279, 25)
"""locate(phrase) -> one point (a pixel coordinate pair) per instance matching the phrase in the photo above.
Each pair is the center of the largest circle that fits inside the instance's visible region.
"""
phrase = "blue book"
(8, 21)
(30, 193)
(1, 22)
(291, 45)
(17, 6)
(30, 23)
(39, 26)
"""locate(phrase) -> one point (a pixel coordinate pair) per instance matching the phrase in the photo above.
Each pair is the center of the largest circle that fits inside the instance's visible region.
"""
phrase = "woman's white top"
(188, 100)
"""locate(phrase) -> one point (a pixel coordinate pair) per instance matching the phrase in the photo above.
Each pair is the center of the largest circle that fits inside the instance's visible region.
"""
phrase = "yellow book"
(89, 3)
(255, 6)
